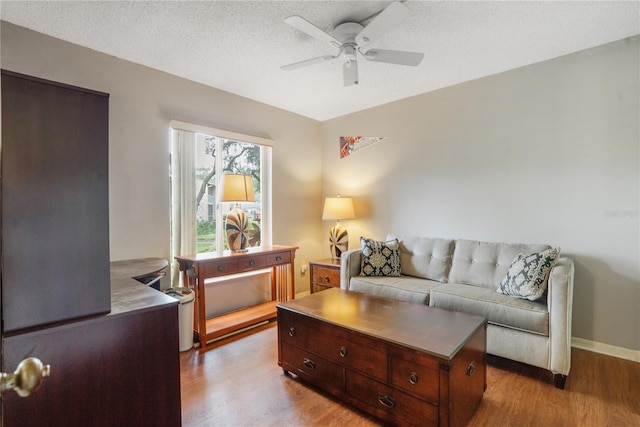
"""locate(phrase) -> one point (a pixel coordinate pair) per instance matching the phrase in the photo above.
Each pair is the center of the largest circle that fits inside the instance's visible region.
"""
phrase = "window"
(199, 157)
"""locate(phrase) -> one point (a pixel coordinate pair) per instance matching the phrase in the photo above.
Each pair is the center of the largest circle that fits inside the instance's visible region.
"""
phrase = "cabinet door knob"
(343, 351)
(27, 377)
(326, 279)
(292, 331)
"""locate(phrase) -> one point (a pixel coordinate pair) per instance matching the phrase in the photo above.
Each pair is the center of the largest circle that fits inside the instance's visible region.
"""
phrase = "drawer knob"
(292, 331)
(326, 279)
(413, 378)
(221, 267)
(252, 262)
(343, 351)
(386, 400)
(471, 368)
(309, 363)
(278, 258)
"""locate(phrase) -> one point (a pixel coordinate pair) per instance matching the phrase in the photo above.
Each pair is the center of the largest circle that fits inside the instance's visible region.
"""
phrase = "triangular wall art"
(351, 144)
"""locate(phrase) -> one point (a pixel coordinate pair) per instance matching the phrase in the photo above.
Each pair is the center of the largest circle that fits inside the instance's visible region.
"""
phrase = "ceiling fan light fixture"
(349, 51)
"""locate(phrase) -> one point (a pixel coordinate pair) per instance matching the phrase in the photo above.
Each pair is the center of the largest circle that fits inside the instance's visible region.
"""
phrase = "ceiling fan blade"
(394, 57)
(307, 27)
(387, 20)
(307, 62)
(350, 72)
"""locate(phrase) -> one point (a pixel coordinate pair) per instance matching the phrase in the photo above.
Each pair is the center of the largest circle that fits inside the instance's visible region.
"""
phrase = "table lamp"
(236, 188)
(338, 208)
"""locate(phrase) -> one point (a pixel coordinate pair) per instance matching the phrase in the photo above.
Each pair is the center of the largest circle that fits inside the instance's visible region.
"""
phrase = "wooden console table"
(195, 269)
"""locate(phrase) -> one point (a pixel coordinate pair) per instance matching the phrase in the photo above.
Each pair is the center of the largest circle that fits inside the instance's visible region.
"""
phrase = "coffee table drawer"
(312, 367)
(389, 403)
(419, 377)
(292, 328)
(341, 348)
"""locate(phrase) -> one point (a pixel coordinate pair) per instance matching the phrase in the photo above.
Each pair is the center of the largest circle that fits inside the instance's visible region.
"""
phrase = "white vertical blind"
(183, 239)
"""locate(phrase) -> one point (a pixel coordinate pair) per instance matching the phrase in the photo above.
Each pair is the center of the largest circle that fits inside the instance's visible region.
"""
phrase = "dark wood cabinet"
(122, 369)
(111, 342)
(55, 202)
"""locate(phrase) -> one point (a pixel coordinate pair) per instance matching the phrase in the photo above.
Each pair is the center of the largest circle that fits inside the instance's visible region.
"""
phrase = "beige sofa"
(463, 275)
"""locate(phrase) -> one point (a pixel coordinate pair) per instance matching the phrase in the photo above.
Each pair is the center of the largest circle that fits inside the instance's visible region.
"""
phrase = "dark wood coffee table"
(404, 363)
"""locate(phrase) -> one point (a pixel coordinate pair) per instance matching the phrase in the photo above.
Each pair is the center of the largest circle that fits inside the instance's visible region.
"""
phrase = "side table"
(325, 274)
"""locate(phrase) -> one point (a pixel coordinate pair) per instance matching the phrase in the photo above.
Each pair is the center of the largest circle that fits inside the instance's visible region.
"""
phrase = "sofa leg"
(560, 380)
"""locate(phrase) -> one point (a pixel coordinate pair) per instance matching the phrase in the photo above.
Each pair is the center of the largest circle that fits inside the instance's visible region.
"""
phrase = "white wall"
(142, 103)
(548, 153)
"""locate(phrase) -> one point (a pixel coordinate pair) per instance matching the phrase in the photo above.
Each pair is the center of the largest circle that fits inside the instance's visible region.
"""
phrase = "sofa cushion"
(380, 258)
(485, 264)
(527, 276)
(429, 258)
(498, 309)
(402, 288)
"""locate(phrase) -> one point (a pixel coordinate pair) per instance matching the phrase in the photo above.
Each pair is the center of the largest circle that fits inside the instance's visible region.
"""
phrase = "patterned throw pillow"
(380, 258)
(527, 276)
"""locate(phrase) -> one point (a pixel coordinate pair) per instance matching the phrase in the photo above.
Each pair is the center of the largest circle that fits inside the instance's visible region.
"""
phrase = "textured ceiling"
(239, 46)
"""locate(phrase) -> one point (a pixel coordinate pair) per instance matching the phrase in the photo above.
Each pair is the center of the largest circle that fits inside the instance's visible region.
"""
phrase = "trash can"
(185, 315)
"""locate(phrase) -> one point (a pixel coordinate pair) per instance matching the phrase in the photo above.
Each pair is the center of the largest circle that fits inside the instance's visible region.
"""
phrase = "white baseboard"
(609, 350)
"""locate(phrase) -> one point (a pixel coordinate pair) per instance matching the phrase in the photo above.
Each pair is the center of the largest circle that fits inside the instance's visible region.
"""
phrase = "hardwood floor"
(241, 384)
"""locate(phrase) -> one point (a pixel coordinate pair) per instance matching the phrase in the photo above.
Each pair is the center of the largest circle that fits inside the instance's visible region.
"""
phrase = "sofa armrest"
(349, 266)
(560, 306)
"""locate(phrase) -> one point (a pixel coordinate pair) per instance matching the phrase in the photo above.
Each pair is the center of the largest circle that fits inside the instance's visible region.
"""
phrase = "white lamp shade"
(236, 188)
(338, 208)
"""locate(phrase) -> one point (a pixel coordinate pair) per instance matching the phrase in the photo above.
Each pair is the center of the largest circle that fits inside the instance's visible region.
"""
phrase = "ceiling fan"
(353, 40)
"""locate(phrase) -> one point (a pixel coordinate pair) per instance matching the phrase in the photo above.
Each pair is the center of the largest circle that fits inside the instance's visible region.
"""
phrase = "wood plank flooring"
(241, 384)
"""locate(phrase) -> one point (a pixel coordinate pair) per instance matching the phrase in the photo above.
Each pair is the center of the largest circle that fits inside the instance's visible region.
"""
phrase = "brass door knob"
(27, 377)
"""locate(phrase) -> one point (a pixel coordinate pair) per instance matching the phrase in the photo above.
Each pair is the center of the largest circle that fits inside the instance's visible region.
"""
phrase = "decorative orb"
(237, 230)
(338, 240)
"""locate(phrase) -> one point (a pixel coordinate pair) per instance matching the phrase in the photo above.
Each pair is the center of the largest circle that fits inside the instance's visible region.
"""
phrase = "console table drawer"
(312, 367)
(252, 263)
(278, 258)
(219, 268)
(344, 348)
(389, 403)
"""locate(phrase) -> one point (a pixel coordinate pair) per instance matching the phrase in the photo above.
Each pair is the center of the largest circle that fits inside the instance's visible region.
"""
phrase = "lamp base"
(338, 240)
(237, 231)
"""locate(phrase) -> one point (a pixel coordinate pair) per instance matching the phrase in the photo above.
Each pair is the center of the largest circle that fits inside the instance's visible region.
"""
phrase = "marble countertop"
(129, 295)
